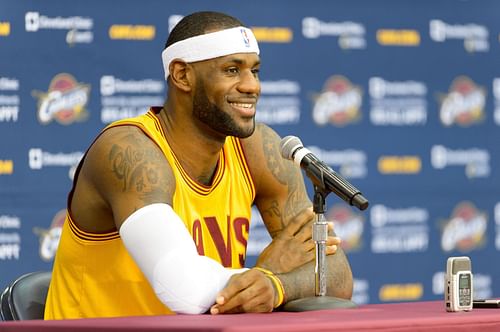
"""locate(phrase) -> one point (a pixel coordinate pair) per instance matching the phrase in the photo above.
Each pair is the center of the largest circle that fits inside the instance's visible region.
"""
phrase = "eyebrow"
(240, 61)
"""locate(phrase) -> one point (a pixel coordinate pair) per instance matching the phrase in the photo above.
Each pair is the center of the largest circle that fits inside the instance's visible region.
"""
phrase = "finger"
(330, 250)
(234, 286)
(331, 240)
(305, 233)
(308, 246)
(259, 303)
(236, 303)
(240, 288)
(258, 296)
(218, 310)
(214, 310)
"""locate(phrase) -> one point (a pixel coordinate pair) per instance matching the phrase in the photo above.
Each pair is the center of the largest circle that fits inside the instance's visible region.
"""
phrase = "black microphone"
(320, 173)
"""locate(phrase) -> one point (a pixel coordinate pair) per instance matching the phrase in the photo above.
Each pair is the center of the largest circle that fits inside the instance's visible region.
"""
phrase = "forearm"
(300, 282)
(161, 246)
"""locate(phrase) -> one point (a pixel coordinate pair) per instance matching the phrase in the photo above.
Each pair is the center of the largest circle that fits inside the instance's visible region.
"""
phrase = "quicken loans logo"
(273, 34)
(401, 292)
(132, 32)
(6, 167)
(4, 29)
(394, 37)
(399, 164)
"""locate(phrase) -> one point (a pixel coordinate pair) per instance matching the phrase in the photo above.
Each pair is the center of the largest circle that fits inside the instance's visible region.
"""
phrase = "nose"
(249, 83)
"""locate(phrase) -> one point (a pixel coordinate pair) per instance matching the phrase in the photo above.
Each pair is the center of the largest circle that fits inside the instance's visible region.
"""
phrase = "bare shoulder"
(264, 157)
(264, 143)
(127, 171)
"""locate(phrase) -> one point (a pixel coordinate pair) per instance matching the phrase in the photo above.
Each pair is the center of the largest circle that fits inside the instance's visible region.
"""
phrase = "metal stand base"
(318, 303)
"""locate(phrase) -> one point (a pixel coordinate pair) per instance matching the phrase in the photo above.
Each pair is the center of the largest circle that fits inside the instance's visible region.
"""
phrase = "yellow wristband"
(278, 285)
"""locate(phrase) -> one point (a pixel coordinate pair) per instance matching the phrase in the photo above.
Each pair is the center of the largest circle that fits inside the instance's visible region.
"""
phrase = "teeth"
(242, 105)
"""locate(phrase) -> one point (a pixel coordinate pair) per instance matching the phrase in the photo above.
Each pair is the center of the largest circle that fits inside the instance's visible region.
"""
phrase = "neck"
(197, 152)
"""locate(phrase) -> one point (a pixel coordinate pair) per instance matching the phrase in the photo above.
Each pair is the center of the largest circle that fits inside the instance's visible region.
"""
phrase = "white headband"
(210, 45)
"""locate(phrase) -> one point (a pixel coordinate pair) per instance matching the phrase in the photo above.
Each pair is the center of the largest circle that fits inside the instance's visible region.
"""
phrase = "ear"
(181, 75)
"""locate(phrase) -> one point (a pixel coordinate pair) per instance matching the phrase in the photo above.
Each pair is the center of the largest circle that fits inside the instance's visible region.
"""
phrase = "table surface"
(409, 316)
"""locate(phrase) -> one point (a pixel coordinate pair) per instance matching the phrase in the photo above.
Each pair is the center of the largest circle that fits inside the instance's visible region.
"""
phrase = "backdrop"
(400, 97)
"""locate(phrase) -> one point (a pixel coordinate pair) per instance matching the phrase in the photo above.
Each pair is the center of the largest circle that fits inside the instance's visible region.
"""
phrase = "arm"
(134, 183)
(281, 199)
(286, 211)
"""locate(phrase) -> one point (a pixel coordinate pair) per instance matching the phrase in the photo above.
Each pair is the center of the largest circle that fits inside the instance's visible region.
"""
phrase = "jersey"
(94, 275)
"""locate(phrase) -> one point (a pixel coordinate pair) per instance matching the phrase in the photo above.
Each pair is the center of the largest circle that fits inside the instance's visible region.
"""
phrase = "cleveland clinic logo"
(464, 104)
(338, 104)
(465, 230)
(64, 101)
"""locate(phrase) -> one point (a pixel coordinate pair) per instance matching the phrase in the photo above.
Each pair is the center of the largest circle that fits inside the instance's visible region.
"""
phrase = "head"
(220, 78)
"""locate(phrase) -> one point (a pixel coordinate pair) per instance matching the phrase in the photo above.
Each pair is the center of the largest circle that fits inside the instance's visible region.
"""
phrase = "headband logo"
(246, 40)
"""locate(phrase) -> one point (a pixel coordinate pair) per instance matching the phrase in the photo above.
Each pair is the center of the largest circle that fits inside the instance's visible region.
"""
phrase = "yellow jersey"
(94, 275)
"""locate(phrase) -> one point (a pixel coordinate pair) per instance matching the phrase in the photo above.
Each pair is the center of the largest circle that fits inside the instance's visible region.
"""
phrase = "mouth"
(245, 109)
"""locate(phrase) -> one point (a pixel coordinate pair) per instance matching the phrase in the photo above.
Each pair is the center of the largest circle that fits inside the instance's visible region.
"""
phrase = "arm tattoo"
(137, 168)
(286, 174)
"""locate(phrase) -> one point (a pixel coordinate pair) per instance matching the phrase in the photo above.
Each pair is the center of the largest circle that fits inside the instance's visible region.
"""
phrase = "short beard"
(211, 115)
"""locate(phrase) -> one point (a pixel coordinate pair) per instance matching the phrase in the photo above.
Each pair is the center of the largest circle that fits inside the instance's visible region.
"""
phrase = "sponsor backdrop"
(400, 97)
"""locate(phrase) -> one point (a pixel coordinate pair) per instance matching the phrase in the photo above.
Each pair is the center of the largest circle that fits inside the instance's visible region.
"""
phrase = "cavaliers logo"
(49, 238)
(464, 104)
(339, 103)
(64, 102)
(348, 226)
(465, 230)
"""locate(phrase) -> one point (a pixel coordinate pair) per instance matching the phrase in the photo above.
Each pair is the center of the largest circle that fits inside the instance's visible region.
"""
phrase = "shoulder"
(260, 144)
(262, 151)
(264, 139)
(124, 164)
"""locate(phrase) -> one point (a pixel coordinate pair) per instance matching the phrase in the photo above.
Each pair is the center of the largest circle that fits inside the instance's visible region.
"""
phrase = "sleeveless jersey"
(93, 274)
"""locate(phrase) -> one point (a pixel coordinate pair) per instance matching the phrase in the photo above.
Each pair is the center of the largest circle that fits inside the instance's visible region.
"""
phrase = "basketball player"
(159, 214)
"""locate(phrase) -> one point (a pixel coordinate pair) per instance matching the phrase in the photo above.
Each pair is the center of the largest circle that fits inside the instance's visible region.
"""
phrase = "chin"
(247, 131)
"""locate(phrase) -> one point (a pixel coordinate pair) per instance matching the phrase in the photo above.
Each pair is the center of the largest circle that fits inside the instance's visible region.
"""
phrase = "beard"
(215, 118)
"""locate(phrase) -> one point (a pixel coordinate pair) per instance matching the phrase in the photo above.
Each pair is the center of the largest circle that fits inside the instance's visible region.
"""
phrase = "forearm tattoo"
(137, 168)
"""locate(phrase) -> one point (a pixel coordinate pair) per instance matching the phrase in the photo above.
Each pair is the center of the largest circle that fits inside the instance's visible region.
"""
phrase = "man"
(159, 213)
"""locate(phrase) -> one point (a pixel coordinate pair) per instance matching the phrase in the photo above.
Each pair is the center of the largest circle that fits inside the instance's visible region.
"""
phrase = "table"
(400, 317)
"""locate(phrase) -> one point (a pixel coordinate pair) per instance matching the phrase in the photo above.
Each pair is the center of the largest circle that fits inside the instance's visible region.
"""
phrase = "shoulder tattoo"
(137, 166)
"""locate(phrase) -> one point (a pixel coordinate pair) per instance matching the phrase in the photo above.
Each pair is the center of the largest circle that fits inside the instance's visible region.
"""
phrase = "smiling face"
(226, 93)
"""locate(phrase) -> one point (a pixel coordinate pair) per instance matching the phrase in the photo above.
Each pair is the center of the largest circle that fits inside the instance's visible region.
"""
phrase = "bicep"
(281, 193)
(129, 171)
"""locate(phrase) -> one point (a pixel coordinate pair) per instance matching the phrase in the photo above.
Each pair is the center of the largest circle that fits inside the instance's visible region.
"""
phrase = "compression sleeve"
(162, 247)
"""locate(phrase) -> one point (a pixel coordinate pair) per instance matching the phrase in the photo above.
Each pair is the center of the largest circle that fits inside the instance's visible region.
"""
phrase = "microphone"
(320, 173)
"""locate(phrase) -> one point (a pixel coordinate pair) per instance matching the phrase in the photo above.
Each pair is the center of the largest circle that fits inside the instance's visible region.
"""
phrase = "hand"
(250, 291)
(294, 246)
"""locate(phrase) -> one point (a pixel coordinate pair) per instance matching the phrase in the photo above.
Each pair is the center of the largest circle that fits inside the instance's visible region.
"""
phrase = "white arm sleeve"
(162, 247)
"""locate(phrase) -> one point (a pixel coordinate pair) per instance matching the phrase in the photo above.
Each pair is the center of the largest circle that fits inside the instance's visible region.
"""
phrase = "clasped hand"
(293, 247)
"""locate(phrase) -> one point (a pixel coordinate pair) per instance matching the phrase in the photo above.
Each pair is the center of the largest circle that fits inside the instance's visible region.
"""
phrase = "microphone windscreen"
(289, 145)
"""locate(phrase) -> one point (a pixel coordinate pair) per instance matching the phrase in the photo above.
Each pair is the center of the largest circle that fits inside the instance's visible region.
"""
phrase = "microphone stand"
(320, 235)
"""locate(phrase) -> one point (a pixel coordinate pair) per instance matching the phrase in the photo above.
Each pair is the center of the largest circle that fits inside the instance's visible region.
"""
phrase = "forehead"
(248, 59)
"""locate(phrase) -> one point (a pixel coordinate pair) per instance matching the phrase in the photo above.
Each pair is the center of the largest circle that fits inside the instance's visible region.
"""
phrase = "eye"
(232, 70)
(256, 72)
